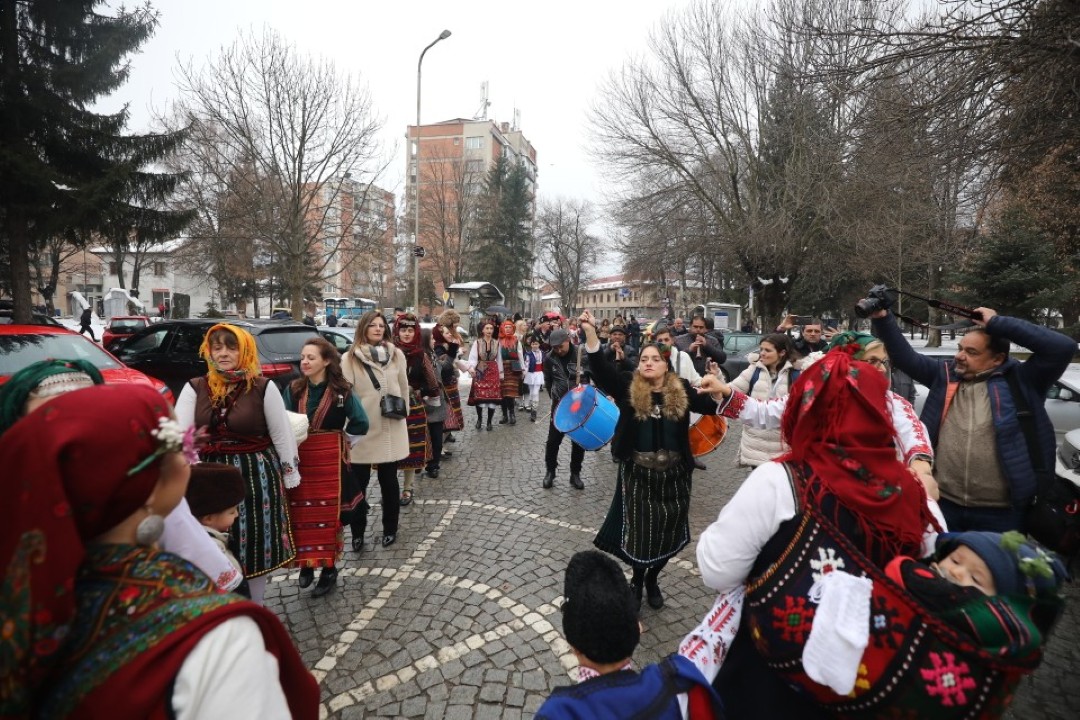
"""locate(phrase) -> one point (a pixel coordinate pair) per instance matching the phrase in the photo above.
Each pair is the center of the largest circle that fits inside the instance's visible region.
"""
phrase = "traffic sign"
(419, 252)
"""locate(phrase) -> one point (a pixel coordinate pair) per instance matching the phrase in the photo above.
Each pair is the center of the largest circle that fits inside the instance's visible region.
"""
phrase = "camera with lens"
(880, 297)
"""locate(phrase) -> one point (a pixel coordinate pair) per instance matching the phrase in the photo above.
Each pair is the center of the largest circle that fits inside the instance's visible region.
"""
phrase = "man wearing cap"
(560, 374)
(622, 354)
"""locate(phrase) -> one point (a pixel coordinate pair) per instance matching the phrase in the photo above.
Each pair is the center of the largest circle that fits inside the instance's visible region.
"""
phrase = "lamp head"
(444, 34)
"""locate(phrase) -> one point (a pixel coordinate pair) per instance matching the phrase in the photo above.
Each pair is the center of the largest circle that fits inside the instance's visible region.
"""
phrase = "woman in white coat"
(768, 377)
(376, 370)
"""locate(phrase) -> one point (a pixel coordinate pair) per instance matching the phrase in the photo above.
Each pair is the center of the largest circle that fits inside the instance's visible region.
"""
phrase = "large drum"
(706, 434)
(588, 416)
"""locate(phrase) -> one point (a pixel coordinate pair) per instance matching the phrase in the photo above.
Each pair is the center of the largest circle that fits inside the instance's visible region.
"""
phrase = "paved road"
(459, 618)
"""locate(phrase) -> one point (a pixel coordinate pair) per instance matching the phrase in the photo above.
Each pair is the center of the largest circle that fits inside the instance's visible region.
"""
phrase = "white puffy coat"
(759, 445)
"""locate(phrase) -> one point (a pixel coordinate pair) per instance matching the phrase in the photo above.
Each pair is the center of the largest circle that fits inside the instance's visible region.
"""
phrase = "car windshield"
(286, 341)
(738, 343)
(130, 325)
(18, 351)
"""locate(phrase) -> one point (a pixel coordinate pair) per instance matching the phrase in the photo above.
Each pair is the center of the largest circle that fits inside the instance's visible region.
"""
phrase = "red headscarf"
(837, 422)
(412, 349)
(66, 483)
(507, 336)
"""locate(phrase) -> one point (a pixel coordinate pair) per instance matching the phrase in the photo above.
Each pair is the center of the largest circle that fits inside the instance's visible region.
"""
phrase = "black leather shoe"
(575, 480)
(489, 426)
(655, 597)
(479, 423)
(513, 416)
(327, 582)
(532, 416)
(549, 479)
(358, 543)
(307, 576)
(433, 473)
(698, 464)
(388, 540)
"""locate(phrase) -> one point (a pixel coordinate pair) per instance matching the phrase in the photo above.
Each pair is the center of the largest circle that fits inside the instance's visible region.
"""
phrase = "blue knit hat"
(1020, 565)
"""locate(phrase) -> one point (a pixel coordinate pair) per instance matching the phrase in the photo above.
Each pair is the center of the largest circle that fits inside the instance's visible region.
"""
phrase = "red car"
(122, 326)
(22, 345)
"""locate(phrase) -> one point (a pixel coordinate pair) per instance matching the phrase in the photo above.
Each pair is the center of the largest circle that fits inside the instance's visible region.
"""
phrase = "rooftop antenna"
(517, 119)
(482, 113)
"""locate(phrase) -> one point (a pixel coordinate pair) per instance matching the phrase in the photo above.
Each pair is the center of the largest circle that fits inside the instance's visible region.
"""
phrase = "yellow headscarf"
(247, 367)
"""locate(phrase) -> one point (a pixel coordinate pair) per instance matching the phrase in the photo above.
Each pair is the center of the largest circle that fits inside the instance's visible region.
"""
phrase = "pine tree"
(503, 255)
(64, 169)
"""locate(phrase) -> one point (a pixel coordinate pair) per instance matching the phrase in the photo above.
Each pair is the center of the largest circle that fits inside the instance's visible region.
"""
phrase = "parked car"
(121, 327)
(169, 350)
(22, 345)
(738, 345)
(1062, 399)
(37, 317)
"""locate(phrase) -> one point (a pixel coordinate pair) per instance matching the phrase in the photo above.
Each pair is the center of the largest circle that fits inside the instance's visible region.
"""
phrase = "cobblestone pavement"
(459, 618)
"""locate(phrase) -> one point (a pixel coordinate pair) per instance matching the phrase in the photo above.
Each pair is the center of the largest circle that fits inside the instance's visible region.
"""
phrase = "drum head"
(574, 408)
(707, 434)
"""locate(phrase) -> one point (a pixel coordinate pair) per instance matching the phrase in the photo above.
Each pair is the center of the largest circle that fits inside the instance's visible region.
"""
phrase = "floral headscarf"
(72, 481)
(838, 424)
(221, 382)
(414, 348)
(51, 377)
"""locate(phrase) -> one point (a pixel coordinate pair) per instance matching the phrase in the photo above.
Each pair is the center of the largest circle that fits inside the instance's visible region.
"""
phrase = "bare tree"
(449, 198)
(284, 131)
(45, 265)
(567, 251)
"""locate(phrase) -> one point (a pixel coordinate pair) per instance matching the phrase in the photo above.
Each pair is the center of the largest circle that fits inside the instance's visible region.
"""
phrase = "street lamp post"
(416, 184)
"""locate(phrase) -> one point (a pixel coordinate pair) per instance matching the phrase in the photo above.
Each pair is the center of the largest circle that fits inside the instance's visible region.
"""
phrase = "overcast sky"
(546, 59)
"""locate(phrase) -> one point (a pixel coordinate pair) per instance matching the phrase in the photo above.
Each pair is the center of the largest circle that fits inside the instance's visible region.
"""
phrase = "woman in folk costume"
(330, 495)
(40, 382)
(841, 473)
(448, 344)
(511, 355)
(98, 621)
(247, 426)
(438, 408)
(377, 371)
(486, 368)
(648, 521)
(422, 385)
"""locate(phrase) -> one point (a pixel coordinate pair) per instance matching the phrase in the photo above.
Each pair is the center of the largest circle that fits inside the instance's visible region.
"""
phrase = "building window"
(474, 166)
(457, 141)
(159, 269)
(113, 268)
(474, 143)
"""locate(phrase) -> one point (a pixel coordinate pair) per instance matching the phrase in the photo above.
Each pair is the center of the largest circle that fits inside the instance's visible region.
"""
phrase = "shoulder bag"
(391, 406)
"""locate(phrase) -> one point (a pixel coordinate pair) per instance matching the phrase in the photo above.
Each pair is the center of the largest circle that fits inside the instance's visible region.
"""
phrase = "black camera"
(880, 297)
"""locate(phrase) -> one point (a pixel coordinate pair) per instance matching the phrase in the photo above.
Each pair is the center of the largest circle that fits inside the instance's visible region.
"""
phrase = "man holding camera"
(983, 465)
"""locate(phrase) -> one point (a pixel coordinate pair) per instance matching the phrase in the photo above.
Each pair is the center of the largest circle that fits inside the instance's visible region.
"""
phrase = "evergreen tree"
(1012, 270)
(66, 170)
(503, 255)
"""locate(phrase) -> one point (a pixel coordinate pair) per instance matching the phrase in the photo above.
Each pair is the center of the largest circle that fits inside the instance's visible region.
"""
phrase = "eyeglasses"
(878, 362)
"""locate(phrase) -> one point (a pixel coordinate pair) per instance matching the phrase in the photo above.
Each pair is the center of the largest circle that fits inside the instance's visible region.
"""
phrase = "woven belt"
(659, 460)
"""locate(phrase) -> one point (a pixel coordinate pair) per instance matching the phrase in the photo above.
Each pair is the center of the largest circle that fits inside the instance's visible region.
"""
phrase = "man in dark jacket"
(84, 323)
(618, 339)
(983, 465)
(700, 345)
(560, 374)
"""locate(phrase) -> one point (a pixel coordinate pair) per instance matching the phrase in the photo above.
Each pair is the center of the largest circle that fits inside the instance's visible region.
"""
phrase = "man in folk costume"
(511, 355)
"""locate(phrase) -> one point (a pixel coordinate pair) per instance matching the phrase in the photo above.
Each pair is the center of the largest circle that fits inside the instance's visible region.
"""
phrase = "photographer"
(983, 466)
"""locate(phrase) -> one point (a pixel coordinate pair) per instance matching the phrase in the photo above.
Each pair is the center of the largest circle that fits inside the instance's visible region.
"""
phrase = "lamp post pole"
(416, 184)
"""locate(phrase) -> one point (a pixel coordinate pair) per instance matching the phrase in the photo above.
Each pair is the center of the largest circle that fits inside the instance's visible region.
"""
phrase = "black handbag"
(391, 406)
(1053, 517)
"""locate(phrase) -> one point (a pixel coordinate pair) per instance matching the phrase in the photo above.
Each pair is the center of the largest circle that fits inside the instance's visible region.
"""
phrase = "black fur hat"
(214, 487)
(599, 611)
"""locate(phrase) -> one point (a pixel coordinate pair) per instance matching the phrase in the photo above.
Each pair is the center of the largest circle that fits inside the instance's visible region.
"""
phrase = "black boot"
(327, 582)
(652, 588)
(505, 417)
(479, 417)
(575, 480)
(307, 576)
(358, 529)
(636, 584)
(491, 414)
(532, 414)
(513, 415)
(549, 479)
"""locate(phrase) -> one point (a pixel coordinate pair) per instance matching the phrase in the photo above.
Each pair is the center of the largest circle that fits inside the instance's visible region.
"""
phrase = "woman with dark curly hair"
(336, 422)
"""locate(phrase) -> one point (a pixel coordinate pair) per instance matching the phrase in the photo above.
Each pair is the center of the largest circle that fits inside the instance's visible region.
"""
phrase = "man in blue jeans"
(982, 463)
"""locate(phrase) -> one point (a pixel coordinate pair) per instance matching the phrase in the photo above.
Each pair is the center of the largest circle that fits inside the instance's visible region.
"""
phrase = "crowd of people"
(162, 524)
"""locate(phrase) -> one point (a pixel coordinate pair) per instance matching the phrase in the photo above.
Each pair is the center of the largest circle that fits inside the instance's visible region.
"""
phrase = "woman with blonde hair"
(378, 372)
(248, 428)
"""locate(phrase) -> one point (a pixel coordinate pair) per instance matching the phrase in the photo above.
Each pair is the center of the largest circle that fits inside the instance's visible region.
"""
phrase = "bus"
(348, 310)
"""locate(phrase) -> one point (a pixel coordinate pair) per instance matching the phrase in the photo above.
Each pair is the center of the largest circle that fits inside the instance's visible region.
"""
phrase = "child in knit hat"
(1001, 588)
(214, 493)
